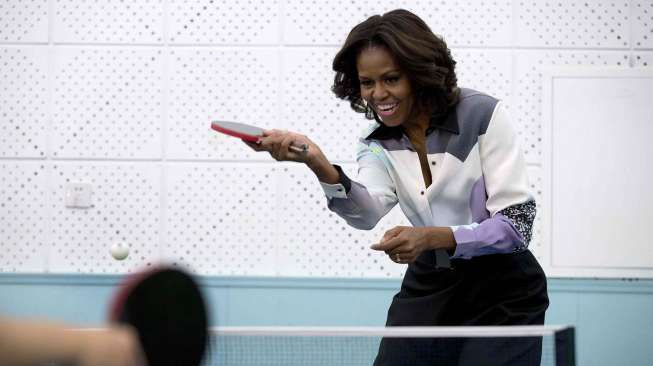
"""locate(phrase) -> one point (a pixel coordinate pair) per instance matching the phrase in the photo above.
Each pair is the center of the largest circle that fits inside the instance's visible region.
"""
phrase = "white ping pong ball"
(119, 251)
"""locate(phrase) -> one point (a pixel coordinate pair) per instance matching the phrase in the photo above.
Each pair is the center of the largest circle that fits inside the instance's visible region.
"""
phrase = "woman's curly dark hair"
(423, 56)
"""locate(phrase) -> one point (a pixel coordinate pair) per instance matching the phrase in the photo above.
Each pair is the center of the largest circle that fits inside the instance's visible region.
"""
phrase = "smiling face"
(384, 86)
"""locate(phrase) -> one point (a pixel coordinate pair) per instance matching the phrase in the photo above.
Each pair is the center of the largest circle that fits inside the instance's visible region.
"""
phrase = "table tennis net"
(409, 346)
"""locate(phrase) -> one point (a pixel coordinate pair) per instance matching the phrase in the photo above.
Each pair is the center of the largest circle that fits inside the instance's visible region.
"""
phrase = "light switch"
(79, 195)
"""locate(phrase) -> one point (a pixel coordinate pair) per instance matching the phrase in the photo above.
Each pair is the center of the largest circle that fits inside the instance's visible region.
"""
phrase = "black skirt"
(497, 289)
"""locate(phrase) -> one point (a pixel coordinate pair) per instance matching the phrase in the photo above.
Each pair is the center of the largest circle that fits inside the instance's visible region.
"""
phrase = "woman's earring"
(376, 116)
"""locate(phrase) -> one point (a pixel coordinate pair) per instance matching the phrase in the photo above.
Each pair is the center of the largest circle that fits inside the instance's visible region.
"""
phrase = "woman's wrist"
(323, 170)
(442, 238)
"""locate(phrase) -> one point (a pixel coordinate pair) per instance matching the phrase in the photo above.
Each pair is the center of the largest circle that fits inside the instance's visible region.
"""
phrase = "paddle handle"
(302, 149)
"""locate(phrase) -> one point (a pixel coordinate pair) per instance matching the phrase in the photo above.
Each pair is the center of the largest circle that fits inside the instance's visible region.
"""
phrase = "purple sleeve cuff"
(492, 236)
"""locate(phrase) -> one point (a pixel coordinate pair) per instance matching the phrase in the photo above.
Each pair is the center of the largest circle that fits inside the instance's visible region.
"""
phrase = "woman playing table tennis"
(449, 157)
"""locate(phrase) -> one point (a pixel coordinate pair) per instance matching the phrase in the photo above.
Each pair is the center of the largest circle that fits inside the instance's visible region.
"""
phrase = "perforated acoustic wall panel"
(24, 21)
(643, 59)
(224, 22)
(23, 101)
(113, 21)
(23, 222)
(642, 24)
(107, 102)
(222, 218)
(577, 24)
(487, 70)
(120, 94)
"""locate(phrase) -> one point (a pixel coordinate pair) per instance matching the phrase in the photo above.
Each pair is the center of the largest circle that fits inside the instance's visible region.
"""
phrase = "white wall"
(121, 94)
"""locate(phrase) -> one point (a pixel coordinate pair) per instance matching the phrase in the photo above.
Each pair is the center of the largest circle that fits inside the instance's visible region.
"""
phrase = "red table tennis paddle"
(247, 132)
(165, 306)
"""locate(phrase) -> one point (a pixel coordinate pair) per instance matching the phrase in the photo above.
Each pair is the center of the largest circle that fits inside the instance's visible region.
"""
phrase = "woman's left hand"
(403, 244)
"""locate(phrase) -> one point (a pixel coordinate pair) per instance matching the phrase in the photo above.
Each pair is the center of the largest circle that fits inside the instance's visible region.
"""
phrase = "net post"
(565, 347)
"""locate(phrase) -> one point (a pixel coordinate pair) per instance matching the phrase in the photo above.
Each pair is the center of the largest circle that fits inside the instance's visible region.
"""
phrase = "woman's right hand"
(278, 144)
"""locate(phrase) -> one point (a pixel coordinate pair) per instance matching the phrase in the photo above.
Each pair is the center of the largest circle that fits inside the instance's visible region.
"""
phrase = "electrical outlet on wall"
(79, 195)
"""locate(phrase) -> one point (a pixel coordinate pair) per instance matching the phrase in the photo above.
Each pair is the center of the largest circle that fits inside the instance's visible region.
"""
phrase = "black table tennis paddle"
(165, 306)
